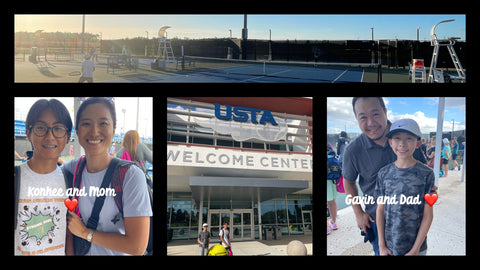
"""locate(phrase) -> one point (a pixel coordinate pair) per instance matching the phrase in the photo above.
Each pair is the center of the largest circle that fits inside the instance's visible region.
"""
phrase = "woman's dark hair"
(107, 102)
(58, 109)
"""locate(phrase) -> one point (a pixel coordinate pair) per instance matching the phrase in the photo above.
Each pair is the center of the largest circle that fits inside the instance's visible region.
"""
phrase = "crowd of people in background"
(375, 150)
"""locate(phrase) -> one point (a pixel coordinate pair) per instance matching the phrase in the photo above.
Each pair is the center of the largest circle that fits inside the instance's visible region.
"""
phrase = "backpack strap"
(17, 173)
(76, 179)
(77, 175)
(99, 201)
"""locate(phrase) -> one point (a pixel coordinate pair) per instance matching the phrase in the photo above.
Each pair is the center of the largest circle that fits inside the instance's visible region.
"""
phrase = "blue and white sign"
(244, 123)
(241, 114)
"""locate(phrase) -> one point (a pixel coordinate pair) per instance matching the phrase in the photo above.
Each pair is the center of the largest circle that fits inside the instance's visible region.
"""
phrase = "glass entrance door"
(216, 219)
(240, 223)
(214, 223)
(307, 222)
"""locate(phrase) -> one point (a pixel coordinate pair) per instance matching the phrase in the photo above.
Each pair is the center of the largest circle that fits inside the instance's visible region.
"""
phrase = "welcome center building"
(247, 161)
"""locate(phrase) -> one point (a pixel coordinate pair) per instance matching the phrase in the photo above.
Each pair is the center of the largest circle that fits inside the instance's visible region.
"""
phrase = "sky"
(300, 27)
(423, 110)
(339, 113)
(145, 119)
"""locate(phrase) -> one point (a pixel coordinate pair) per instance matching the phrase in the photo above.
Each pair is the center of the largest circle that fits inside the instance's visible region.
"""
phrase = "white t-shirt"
(41, 217)
(226, 236)
(87, 68)
(136, 203)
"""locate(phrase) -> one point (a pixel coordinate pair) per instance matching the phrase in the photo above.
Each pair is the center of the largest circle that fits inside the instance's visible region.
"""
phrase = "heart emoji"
(71, 204)
(431, 198)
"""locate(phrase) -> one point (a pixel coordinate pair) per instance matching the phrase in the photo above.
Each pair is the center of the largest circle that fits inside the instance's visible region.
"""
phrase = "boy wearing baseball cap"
(403, 217)
(203, 239)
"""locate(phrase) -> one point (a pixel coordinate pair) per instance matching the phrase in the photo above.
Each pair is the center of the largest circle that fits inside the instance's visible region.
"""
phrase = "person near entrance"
(204, 239)
(225, 237)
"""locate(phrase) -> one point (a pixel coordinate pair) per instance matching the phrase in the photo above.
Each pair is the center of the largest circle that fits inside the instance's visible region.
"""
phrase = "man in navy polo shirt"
(365, 156)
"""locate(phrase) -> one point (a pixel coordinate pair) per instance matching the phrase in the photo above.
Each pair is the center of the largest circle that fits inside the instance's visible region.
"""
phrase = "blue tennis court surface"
(256, 72)
(281, 74)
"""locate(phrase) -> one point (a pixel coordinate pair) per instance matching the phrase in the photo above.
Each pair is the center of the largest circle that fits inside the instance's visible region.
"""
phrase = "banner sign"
(182, 155)
(244, 123)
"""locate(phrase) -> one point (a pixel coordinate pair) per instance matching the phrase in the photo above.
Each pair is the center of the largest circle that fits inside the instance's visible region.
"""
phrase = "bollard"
(296, 248)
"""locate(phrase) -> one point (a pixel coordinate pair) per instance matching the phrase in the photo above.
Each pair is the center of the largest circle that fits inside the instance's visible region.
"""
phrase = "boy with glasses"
(40, 213)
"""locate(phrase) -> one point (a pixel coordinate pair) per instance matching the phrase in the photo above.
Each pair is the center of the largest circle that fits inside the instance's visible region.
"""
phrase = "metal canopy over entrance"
(242, 189)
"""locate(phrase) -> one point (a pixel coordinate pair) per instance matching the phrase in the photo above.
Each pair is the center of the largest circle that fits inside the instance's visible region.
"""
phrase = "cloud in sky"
(423, 110)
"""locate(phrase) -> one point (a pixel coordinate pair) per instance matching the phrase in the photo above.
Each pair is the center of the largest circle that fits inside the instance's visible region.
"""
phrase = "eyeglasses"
(42, 130)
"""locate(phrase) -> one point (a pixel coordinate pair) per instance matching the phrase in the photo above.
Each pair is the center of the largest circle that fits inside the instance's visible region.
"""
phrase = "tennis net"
(290, 71)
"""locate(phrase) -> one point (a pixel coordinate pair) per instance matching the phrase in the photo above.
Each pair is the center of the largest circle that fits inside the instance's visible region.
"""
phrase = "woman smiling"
(119, 232)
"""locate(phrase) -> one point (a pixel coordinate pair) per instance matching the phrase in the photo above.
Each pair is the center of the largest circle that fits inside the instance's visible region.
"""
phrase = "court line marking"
(341, 74)
(266, 75)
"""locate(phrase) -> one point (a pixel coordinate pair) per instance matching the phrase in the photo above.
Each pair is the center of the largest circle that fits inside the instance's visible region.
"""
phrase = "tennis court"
(223, 70)
(205, 70)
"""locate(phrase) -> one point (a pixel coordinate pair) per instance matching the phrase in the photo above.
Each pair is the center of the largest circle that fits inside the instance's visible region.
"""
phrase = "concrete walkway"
(243, 248)
(445, 237)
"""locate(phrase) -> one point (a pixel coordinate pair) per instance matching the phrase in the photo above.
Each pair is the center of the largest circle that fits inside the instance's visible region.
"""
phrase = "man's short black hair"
(354, 100)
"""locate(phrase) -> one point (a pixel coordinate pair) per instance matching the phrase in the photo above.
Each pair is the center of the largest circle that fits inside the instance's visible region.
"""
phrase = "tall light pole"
(83, 33)
(146, 45)
(453, 129)
(77, 148)
(270, 46)
(124, 111)
(373, 47)
(244, 37)
(438, 141)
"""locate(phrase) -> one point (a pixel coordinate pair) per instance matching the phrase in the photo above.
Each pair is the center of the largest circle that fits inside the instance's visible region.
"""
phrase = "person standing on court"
(365, 156)
(88, 67)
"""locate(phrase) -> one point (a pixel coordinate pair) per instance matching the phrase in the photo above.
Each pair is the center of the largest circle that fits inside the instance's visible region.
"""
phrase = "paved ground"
(447, 234)
(245, 248)
(69, 72)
